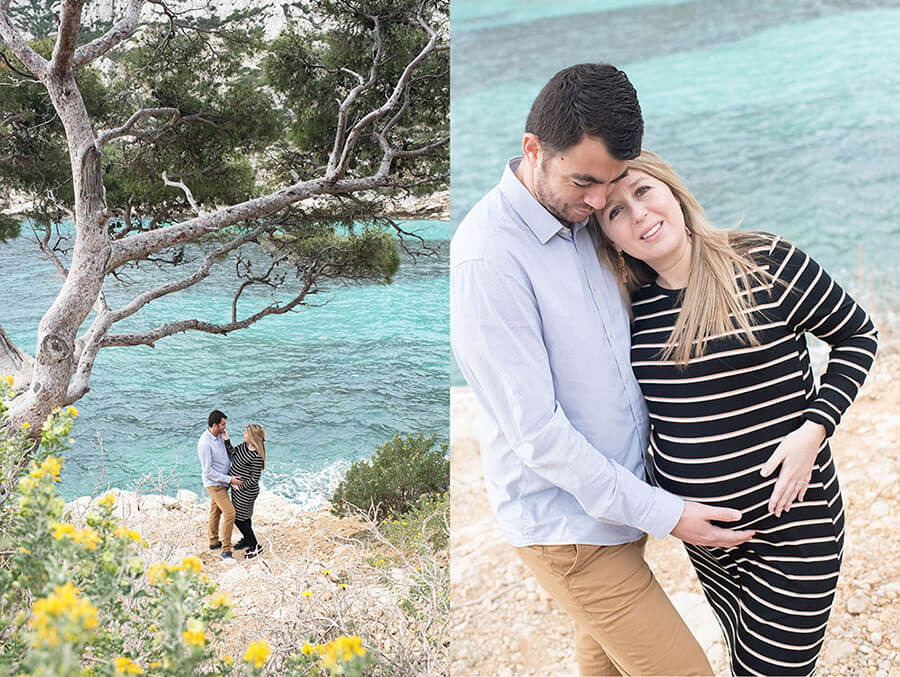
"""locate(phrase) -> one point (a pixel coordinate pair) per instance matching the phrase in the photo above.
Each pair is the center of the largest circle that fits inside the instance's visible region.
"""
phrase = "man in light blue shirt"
(540, 332)
(215, 464)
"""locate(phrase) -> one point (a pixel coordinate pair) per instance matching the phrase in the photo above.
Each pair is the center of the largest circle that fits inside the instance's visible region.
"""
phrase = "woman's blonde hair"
(258, 439)
(714, 302)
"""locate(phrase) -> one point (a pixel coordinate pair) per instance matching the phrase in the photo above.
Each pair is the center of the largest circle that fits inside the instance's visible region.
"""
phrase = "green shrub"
(393, 481)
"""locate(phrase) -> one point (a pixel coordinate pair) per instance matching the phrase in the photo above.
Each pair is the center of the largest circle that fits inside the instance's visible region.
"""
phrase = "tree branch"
(138, 246)
(94, 339)
(337, 152)
(373, 116)
(187, 192)
(125, 130)
(150, 337)
(19, 45)
(66, 37)
(112, 37)
(12, 358)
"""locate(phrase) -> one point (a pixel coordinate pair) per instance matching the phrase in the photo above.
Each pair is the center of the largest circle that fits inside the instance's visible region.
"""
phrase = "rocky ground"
(502, 623)
(318, 576)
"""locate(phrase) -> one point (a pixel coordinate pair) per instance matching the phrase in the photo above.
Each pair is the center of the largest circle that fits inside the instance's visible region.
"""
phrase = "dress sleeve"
(229, 448)
(809, 300)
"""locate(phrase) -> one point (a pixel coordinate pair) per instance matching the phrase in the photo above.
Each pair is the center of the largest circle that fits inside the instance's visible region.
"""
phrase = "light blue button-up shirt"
(214, 460)
(542, 336)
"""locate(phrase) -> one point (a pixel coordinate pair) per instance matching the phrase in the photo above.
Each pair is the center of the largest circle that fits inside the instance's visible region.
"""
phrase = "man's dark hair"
(215, 416)
(588, 98)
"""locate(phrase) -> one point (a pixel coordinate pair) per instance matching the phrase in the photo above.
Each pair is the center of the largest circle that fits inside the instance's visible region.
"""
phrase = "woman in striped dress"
(737, 421)
(248, 459)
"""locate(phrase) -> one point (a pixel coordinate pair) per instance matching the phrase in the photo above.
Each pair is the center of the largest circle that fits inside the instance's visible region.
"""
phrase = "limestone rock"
(857, 604)
(839, 650)
(186, 497)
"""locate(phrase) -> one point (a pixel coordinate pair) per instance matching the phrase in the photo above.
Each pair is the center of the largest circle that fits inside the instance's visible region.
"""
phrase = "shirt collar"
(541, 222)
(209, 435)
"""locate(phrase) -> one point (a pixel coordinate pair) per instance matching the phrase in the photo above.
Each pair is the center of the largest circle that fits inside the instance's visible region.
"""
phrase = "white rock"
(879, 509)
(876, 638)
(857, 604)
(838, 650)
(233, 577)
(874, 625)
(186, 497)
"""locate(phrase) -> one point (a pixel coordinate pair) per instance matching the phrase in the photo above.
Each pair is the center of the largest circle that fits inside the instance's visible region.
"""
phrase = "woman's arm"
(809, 300)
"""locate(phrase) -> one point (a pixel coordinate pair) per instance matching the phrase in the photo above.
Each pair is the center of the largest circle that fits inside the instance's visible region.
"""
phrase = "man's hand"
(694, 526)
(796, 454)
(236, 482)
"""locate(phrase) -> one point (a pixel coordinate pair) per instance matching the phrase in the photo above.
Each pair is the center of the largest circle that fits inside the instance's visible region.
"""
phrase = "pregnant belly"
(711, 475)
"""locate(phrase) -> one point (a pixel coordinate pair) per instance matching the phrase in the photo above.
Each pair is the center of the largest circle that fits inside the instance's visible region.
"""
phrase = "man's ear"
(532, 148)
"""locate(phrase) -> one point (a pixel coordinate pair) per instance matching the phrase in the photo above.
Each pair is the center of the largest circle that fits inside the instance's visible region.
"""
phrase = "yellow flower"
(325, 572)
(228, 660)
(62, 529)
(220, 600)
(192, 563)
(307, 593)
(194, 634)
(51, 466)
(257, 653)
(155, 664)
(86, 537)
(126, 666)
(349, 647)
(158, 573)
(72, 411)
(122, 532)
(26, 425)
(308, 649)
(9, 380)
(108, 500)
(63, 604)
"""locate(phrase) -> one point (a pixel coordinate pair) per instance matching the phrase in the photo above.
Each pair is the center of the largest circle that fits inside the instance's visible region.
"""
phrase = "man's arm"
(496, 334)
(204, 451)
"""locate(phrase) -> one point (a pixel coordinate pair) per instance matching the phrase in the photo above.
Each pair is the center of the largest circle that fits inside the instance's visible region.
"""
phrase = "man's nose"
(596, 197)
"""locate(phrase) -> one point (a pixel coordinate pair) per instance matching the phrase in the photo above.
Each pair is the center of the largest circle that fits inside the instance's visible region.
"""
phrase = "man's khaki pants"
(220, 505)
(624, 622)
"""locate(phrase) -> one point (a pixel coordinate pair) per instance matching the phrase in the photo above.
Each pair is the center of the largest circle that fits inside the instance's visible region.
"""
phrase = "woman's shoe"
(250, 554)
(240, 545)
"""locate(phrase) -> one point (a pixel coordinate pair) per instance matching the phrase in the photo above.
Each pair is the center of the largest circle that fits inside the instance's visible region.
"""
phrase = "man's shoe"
(227, 555)
(216, 546)
(240, 545)
(250, 554)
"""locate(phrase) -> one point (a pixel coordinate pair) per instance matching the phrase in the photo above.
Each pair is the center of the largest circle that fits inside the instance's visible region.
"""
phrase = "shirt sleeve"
(496, 336)
(811, 301)
(229, 448)
(204, 451)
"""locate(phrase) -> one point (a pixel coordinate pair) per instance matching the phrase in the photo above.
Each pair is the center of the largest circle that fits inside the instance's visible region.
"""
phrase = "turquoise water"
(782, 116)
(328, 383)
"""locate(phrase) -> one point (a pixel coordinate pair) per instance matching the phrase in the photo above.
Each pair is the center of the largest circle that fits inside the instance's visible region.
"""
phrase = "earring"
(621, 265)
(688, 229)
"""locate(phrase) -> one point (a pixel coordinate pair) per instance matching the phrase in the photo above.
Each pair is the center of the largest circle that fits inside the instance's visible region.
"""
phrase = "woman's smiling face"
(644, 219)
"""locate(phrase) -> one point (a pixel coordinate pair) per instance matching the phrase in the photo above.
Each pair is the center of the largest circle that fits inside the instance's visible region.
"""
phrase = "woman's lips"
(652, 232)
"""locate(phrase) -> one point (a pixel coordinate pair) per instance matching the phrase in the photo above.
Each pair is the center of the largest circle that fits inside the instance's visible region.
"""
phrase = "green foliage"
(425, 524)
(310, 70)
(394, 480)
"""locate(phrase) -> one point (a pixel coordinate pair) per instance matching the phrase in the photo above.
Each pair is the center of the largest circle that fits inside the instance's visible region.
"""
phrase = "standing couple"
(225, 466)
(690, 409)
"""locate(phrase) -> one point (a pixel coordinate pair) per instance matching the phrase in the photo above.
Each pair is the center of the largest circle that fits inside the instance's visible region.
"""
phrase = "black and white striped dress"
(246, 464)
(717, 421)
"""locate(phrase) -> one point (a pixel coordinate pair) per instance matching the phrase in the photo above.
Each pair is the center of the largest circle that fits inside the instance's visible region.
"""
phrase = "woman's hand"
(796, 455)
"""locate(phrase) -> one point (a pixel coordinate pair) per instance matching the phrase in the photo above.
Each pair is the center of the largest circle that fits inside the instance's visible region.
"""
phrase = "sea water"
(329, 382)
(782, 116)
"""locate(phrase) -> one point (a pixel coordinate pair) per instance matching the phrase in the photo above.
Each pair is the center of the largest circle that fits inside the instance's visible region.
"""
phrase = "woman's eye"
(641, 190)
(614, 212)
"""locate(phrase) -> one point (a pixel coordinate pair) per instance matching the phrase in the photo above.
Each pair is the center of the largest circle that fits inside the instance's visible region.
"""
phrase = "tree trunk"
(54, 362)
